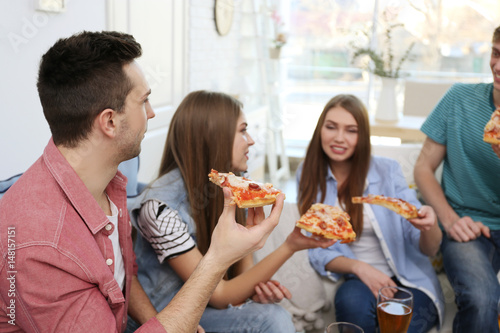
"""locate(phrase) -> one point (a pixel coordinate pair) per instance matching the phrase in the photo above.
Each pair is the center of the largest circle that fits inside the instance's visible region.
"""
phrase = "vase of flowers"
(383, 65)
(279, 40)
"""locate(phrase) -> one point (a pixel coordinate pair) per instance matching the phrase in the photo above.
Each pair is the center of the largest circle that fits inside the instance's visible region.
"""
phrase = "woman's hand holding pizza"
(297, 241)
(426, 219)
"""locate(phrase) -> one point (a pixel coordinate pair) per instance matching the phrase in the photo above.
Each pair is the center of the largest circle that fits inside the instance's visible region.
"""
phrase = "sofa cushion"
(7, 183)
(309, 297)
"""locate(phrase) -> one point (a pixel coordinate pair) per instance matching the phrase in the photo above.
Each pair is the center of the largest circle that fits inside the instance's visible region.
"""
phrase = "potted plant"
(383, 64)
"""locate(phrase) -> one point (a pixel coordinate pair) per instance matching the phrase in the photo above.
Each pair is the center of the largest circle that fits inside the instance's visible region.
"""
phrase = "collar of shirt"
(76, 191)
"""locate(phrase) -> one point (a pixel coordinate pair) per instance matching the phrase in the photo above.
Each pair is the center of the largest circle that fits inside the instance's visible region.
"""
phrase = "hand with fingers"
(297, 241)
(239, 239)
(373, 278)
(426, 219)
(270, 292)
(466, 229)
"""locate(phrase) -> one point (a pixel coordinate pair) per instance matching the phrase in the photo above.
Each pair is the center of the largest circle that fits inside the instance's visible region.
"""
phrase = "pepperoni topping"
(253, 186)
(225, 182)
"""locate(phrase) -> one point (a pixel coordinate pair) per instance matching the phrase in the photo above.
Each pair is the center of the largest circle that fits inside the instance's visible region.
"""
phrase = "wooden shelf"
(407, 128)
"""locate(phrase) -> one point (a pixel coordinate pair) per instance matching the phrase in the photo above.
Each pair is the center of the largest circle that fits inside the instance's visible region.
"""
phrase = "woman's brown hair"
(316, 163)
(200, 138)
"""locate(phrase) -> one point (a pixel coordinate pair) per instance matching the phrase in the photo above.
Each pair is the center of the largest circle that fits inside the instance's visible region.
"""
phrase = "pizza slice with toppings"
(492, 129)
(246, 193)
(328, 222)
(400, 206)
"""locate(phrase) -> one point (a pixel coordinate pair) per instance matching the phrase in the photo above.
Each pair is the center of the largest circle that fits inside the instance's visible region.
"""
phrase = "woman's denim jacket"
(160, 282)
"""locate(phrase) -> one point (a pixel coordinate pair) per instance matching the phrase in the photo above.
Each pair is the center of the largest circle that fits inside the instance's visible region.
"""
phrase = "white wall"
(213, 63)
(213, 59)
(25, 34)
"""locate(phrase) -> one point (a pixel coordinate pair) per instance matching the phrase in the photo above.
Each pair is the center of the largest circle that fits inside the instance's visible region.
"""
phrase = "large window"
(452, 42)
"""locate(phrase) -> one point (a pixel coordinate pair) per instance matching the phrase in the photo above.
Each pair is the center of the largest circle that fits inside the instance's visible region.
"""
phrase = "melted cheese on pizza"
(247, 189)
(246, 193)
(327, 221)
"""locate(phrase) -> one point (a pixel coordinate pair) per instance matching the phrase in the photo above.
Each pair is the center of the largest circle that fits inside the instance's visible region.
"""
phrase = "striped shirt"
(470, 181)
(162, 227)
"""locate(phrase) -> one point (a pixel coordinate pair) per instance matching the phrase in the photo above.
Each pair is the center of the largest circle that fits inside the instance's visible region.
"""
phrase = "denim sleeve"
(298, 173)
(319, 257)
(411, 233)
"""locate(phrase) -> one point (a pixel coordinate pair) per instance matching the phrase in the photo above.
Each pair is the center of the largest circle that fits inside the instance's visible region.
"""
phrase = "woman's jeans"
(472, 269)
(355, 303)
(249, 317)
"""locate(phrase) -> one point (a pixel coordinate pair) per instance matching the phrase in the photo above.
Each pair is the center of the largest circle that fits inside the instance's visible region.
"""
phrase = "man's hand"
(232, 241)
(465, 229)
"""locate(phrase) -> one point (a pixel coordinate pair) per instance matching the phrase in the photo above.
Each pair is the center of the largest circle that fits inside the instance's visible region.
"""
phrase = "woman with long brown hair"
(177, 213)
(389, 250)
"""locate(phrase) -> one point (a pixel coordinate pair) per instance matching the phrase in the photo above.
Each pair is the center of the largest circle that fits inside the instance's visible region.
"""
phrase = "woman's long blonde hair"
(316, 163)
(200, 138)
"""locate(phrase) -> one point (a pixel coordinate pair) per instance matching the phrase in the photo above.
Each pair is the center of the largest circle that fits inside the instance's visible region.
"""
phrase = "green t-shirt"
(471, 169)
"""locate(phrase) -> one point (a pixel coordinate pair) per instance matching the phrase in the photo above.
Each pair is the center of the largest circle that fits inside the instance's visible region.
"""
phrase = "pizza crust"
(493, 139)
(399, 206)
(257, 202)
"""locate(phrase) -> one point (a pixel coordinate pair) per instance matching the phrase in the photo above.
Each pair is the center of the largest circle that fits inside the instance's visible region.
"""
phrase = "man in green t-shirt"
(467, 200)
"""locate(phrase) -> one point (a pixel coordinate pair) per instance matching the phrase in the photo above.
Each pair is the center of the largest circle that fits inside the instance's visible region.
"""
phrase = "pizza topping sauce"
(246, 192)
(327, 221)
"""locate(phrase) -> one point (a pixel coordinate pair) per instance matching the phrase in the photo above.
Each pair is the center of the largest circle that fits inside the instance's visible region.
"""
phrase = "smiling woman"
(389, 250)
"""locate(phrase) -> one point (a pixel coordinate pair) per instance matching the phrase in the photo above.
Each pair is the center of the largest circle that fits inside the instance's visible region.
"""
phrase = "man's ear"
(107, 122)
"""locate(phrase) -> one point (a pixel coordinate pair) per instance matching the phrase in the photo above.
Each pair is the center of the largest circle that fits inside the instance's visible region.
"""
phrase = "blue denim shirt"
(160, 281)
(400, 240)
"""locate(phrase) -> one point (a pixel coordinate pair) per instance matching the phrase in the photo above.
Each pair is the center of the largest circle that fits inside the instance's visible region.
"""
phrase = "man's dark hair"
(496, 35)
(81, 76)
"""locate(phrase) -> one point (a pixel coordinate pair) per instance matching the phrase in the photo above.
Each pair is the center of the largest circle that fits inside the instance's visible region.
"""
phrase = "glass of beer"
(498, 309)
(343, 327)
(394, 309)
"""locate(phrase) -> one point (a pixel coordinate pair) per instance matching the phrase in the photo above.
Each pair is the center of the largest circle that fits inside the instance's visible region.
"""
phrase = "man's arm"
(460, 229)
(230, 243)
(140, 307)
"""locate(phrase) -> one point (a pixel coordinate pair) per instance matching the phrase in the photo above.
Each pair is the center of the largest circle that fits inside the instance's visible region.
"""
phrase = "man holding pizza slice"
(467, 201)
(72, 267)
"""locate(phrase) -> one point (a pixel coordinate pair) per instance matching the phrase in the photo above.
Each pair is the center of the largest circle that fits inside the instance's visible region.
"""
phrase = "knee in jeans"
(276, 315)
(478, 299)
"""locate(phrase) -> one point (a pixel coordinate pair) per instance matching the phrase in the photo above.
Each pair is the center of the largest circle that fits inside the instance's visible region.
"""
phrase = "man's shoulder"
(481, 90)
(33, 206)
